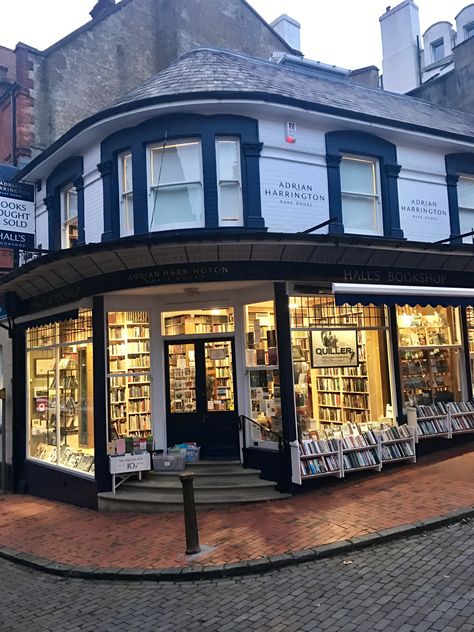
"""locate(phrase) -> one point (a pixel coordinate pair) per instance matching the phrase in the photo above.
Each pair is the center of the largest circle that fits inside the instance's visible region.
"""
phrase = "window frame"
(153, 189)
(125, 195)
(437, 45)
(66, 219)
(238, 221)
(68, 172)
(375, 197)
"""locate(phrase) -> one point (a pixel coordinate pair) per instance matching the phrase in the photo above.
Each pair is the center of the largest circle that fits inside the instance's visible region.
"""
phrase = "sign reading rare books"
(335, 348)
(17, 215)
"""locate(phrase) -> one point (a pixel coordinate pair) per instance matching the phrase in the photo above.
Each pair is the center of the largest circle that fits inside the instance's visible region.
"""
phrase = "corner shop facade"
(232, 337)
(176, 318)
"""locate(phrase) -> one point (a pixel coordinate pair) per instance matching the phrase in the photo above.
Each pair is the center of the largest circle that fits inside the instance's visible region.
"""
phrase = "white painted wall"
(463, 18)
(42, 234)
(93, 196)
(293, 178)
(423, 194)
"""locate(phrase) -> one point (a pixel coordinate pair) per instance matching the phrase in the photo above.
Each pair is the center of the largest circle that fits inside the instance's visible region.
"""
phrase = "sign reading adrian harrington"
(17, 215)
(333, 348)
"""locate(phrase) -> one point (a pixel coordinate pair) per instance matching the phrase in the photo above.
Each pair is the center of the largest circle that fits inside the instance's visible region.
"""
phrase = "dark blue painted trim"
(102, 475)
(456, 164)
(340, 143)
(206, 128)
(68, 172)
(19, 409)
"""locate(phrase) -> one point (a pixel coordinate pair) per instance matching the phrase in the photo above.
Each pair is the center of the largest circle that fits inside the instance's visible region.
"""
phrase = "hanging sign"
(334, 348)
(17, 215)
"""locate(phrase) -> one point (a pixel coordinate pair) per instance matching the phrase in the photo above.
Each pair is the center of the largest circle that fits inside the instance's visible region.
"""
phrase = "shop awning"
(367, 294)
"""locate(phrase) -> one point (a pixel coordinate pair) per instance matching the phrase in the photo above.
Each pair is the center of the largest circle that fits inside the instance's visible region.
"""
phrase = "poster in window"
(334, 348)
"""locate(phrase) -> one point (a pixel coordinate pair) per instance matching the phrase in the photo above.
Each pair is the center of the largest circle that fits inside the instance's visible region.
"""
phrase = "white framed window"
(466, 206)
(437, 50)
(126, 194)
(176, 197)
(229, 181)
(361, 196)
(69, 220)
(469, 30)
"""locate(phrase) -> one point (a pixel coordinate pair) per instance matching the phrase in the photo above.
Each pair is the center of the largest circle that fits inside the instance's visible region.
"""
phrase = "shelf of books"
(214, 321)
(442, 420)
(397, 443)
(320, 456)
(129, 373)
(182, 378)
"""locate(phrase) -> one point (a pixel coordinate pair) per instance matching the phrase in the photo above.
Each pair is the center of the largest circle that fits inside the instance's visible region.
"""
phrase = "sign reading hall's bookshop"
(333, 348)
(17, 215)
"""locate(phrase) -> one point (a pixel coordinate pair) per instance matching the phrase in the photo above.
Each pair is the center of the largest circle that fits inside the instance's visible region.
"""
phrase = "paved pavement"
(424, 583)
(339, 510)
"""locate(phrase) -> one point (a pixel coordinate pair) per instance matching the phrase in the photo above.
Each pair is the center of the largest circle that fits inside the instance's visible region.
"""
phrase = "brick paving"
(423, 583)
(340, 510)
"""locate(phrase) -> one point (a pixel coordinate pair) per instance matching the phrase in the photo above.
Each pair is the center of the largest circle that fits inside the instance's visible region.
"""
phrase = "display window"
(430, 353)
(261, 359)
(60, 393)
(341, 366)
(198, 321)
(129, 377)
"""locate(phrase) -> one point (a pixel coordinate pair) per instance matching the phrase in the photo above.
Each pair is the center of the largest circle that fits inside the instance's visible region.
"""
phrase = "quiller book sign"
(334, 348)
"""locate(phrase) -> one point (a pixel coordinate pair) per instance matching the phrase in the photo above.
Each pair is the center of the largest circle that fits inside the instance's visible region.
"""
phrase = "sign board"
(334, 348)
(130, 463)
(17, 215)
(424, 210)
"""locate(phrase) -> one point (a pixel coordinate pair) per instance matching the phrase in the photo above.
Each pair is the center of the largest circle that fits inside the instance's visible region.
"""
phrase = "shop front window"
(430, 354)
(198, 321)
(60, 393)
(261, 359)
(129, 376)
(176, 185)
(340, 364)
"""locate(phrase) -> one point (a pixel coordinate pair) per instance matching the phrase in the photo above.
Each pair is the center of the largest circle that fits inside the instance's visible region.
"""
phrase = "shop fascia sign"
(334, 348)
(17, 215)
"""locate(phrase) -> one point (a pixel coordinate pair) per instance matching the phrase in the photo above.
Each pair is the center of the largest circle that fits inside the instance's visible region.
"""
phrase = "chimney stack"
(289, 30)
(400, 28)
(101, 7)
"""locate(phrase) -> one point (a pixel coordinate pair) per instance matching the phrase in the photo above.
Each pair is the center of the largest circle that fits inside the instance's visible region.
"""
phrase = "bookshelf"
(199, 322)
(442, 420)
(398, 444)
(129, 373)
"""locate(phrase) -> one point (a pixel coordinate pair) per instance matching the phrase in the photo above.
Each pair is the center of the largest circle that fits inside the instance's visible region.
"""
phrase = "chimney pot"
(101, 7)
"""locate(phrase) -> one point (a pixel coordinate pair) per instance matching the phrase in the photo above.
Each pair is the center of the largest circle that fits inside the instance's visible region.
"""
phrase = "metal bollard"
(190, 521)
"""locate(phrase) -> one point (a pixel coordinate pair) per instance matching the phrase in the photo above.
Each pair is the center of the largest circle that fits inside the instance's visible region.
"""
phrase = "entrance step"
(216, 484)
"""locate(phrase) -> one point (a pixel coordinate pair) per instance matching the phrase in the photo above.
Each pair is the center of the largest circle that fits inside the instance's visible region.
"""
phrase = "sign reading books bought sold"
(333, 348)
(17, 215)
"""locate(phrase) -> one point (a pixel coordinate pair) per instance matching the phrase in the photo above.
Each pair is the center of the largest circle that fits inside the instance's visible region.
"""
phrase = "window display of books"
(462, 417)
(68, 457)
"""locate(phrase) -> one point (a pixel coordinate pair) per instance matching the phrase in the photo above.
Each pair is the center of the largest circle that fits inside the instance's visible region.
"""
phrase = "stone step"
(233, 481)
(156, 502)
(206, 473)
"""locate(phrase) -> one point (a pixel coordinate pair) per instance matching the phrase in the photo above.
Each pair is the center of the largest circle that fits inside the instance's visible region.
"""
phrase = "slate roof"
(216, 72)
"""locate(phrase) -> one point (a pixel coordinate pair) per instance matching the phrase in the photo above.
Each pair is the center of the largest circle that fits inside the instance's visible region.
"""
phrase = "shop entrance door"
(200, 393)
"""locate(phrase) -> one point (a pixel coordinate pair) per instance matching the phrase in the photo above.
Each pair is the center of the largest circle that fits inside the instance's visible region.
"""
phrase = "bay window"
(360, 196)
(229, 182)
(126, 194)
(176, 198)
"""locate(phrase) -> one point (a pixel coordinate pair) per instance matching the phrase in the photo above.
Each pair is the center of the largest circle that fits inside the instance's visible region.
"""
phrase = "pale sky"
(341, 32)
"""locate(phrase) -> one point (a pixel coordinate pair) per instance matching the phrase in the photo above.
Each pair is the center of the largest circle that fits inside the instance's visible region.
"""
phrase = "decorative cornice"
(252, 149)
(105, 168)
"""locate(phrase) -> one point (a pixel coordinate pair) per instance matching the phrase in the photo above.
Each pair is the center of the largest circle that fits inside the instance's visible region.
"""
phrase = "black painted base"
(47, 482)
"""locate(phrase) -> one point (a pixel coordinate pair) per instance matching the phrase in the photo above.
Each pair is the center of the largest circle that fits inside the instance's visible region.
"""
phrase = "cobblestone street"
(422, 583)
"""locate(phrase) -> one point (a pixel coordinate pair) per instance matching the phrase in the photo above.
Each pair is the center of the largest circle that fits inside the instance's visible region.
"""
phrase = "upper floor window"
(176, 198)
(466, 206)
(229, 182)
(69, 218)
(437, 50)
(360, 196)
(126, 194)
(469, 30)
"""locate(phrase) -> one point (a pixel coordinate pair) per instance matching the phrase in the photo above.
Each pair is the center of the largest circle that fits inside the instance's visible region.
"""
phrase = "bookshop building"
(212, 278)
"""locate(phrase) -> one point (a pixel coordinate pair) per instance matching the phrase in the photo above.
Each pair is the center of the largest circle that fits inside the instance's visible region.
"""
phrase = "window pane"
(438, 50)
(177, 162)
(182, 378)
(219, 378)
(71, 203)
(358, 176)
(230, 203)
(127, 184)
(466, 224)
(361, 215)
(182, 204)
(228, 159)
(126, 215)
(466, 192)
